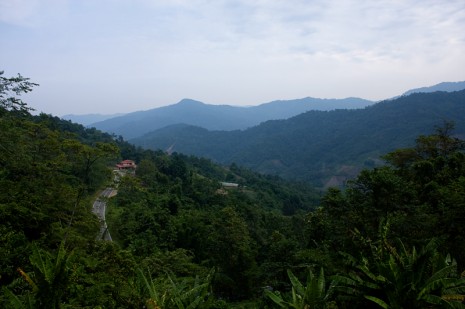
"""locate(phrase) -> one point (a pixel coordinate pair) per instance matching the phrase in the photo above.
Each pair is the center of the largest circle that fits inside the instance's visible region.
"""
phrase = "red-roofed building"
(126, 165)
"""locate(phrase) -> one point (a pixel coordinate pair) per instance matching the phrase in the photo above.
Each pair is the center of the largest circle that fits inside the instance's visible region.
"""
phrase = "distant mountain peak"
(187, 101)
(444, 86)
(218, 117)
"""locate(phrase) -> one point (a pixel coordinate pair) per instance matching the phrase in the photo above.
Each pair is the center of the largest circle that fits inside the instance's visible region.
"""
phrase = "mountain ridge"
(319, 145)
(90, 119)
(444, 86)
(218, 117)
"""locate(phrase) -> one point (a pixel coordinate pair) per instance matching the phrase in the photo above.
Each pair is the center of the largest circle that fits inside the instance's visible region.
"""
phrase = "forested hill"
(191, 234)
(322, 147)
(173, 216)
(218, 117)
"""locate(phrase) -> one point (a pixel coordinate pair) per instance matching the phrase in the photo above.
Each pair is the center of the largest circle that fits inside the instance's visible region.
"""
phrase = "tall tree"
(10, 89)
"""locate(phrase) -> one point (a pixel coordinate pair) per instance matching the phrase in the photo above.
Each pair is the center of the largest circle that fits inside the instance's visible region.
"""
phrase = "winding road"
(99, 209)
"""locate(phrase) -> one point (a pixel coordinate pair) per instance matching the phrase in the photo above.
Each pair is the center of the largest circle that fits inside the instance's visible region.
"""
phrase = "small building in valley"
(226, 186)
(229, 185)
(127, 165)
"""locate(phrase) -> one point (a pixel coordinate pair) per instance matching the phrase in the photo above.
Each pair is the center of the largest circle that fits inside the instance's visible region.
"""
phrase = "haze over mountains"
(88, 119)
(324, 147)
(446, 86)
(225, 117)
(218, 117)
(325, 141)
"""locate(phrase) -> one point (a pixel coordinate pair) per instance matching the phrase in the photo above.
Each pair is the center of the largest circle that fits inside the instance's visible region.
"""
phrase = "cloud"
(31, 13)
(155, 52)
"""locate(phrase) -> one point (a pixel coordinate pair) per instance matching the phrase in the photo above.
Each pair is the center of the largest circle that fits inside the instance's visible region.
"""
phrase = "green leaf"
(296, 283)
(277, 299)
(377, 301)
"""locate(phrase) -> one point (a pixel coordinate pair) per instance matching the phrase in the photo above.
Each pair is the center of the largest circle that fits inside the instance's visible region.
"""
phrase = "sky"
(119, 56)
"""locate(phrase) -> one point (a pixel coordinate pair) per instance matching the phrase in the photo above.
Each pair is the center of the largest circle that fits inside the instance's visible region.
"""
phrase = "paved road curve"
(99, 208)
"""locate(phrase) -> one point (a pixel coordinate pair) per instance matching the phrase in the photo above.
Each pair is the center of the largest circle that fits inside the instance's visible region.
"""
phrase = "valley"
(189, 232)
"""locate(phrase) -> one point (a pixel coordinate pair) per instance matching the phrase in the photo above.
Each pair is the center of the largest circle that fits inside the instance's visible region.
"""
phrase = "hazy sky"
(107, 56)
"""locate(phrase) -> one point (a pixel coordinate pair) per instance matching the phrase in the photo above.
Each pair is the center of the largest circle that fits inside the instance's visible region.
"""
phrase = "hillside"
(218, 117)
(170, 217)
(188, 233)
(325, 147)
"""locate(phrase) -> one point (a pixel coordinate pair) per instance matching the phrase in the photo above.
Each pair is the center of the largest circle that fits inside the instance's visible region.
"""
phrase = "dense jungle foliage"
(394, 238)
